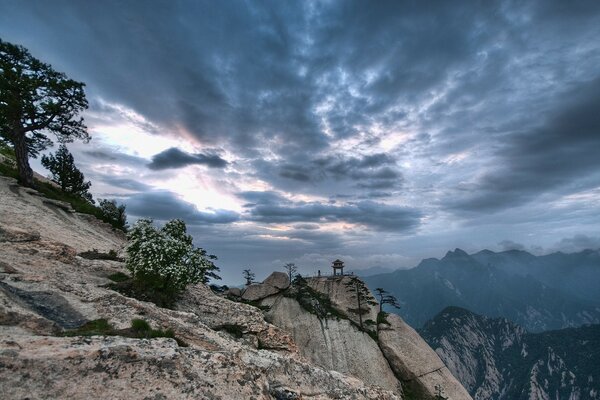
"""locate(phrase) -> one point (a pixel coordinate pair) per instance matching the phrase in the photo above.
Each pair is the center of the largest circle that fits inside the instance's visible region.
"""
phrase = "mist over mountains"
(540, 293)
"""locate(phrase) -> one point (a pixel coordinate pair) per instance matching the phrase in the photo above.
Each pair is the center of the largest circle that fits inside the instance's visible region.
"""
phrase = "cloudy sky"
(377, 132)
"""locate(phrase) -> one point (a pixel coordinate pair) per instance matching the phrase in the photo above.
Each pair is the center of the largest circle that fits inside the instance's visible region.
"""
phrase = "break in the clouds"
(390, 128)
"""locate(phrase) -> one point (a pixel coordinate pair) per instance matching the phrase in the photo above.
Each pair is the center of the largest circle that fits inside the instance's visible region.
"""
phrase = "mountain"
(496, 359)
(372, 271)
(516, 285)
(67, 332)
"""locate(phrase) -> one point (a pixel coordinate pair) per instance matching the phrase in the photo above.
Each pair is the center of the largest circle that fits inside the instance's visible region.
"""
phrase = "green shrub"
(382, 318)
(140, 329)
(119, 277)
(140, 325)
(164, 261)
(92, 328)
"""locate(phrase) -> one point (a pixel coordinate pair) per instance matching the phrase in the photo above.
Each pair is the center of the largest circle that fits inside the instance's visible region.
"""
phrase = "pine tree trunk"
(22, 156)
(359, 308)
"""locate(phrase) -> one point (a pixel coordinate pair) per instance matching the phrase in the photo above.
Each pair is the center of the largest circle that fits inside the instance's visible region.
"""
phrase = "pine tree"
(248, 276)
(36, 100)
(386, 298)
(64, 172)
(291, 270)
(361, 293)
(114, 213)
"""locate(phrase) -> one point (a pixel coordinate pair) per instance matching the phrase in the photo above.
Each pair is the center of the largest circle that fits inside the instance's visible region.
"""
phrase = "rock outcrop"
(391, 355)
(46, 289)
(225, 349)
(334, 344)
(413, 360)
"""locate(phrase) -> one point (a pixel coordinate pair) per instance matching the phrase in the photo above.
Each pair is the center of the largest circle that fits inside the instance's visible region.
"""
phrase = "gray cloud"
(577, 243)
(164, 205)
(552, 156)
(506, 245)
(370, 214)
(175, 158)
(493, 119)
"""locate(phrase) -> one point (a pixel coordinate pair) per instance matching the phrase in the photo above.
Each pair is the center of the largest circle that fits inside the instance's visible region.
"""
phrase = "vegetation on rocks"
(164, 261)
(140, 329)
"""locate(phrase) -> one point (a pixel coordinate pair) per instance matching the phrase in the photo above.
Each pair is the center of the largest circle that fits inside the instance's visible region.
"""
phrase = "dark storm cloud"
(377, 216)
(175, 158)
(560, 155)
(164, 205)
(321, 174)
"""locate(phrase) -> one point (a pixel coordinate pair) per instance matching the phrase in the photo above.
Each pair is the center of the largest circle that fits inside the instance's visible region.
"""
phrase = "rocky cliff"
(497, 359)
(389, 354)
(52, 292)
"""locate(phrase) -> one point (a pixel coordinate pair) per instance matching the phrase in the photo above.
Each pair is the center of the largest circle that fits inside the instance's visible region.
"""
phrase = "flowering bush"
(165, 260)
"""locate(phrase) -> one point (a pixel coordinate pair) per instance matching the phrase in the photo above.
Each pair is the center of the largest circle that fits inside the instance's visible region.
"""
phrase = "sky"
(380, 132)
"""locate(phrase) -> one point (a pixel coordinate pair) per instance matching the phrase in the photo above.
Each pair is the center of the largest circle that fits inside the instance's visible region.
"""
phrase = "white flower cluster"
(167, 254)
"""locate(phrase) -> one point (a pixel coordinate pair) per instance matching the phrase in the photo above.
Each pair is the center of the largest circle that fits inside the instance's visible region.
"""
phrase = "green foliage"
(115, 213)
(140, 325)
(164, 261)
(248, 276)
(313, 301)
(386, 298)
(64, 172)
(92, 328)
(35, 100)
(119, 277)
(6, 150)
(140, 329)
(359, 291)
(291, 270)
(382, 318)
(234, 330)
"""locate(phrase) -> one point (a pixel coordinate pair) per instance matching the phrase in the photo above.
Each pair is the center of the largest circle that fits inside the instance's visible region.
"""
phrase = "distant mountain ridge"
(537, 292)
(496, 359)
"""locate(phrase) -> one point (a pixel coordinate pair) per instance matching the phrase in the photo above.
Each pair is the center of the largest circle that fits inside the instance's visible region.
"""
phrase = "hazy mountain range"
(537, 292)
(496, 359)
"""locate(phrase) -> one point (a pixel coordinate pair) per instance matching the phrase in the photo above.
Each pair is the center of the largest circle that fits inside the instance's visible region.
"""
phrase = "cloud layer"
(370, 131)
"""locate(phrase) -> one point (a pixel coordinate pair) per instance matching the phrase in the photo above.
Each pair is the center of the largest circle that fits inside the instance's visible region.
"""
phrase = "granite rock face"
(258, 291)
(334, 344)
(46, 288)
(415, 362)
(278, 279)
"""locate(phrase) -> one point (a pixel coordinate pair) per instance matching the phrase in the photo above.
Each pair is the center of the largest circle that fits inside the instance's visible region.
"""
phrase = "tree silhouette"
(360, 292)
(386, 298)
(248, 276)
(34, 100)
(114, 212)
(64, 172)
(291, 270)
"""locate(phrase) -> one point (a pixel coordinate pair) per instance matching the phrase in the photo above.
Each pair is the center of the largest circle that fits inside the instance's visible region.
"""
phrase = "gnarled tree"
(35, 100)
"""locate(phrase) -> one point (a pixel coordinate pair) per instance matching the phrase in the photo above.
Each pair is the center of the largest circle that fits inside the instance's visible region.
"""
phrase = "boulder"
(258, 291)
(334, 344)
(234, 291)
(280, 280)
(415, 362)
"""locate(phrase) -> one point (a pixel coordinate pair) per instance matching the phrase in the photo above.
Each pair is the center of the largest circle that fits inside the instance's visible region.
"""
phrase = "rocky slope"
(539, 293)
(46, 289)
(224, 350)
(389, 354)
(497, 359)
